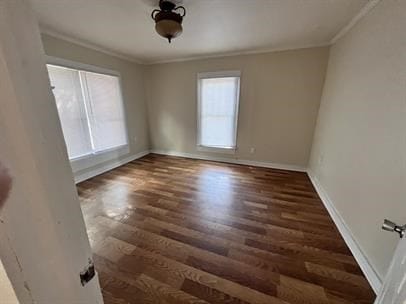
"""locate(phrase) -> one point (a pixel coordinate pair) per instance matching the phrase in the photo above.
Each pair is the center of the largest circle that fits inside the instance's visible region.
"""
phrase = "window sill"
(222, 150)
(99, 153)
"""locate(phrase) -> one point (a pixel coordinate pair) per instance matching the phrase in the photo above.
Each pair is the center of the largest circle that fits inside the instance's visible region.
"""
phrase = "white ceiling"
(211, 27)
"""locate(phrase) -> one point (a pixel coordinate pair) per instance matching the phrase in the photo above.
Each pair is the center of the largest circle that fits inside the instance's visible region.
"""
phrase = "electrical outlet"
(252, 150)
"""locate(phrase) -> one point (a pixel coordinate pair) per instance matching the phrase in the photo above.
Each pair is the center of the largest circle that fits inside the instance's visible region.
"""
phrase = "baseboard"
(107, 167)
(232, 160)
(366, 267)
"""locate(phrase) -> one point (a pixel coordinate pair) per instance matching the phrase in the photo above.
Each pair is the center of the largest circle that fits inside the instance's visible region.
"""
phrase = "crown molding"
(47, 31)
(361, 14)
(52, 33)
(230, 54)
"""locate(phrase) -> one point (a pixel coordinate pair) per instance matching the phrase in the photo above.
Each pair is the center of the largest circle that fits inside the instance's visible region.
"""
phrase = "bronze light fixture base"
(168, 22)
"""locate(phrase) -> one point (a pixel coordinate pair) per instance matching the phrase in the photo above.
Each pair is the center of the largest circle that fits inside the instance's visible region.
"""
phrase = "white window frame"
(65, 63)
(210, 75)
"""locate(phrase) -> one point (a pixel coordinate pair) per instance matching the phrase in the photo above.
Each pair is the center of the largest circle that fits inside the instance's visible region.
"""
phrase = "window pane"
(105, 111)
(68, 97)
(218, 107)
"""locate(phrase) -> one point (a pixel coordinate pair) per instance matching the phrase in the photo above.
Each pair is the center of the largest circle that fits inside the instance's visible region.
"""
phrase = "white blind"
(218, 109)
(71, 109)
(90, 110)
(105, 111)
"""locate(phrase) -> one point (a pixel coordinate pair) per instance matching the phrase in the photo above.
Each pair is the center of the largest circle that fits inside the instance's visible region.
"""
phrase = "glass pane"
(105, 110)
(68, 97)
(218, 110)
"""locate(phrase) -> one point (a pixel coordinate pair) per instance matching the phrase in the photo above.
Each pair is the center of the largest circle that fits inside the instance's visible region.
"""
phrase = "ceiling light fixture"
(168, 23)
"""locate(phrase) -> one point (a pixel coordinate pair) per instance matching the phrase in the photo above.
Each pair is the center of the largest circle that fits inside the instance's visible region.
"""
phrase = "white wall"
(132, 81)
(359, 146)
(280, 97)
(43, 240)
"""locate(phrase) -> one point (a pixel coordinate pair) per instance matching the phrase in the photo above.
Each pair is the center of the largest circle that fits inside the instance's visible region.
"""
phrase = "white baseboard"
(362, 260)
(232, 160)
(107, 167)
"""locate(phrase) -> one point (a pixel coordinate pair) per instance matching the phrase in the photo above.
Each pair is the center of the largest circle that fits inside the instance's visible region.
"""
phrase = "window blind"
(90, 110)
(218, 106)
(105, 112)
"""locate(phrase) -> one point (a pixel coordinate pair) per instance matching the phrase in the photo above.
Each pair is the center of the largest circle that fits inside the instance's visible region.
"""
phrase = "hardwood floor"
(174, 230)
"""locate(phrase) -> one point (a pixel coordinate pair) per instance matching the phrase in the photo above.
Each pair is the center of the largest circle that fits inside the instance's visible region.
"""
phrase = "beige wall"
(133, 94)
(280, 96)
(360, 140)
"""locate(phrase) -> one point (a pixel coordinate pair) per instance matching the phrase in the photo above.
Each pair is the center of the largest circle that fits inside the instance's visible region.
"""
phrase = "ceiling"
(211, 27)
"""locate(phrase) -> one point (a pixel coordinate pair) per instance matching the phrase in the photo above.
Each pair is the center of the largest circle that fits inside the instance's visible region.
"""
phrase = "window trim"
(75, 65)
(210, 75)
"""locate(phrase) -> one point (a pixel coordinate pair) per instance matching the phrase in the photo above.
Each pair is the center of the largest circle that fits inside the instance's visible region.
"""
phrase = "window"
(90, 110)
(218, 97)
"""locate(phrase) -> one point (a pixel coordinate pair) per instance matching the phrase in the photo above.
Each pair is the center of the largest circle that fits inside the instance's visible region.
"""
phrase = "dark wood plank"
(175, 230)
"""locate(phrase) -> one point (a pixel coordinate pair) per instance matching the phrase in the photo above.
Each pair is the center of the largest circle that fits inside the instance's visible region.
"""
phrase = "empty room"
(202, 151)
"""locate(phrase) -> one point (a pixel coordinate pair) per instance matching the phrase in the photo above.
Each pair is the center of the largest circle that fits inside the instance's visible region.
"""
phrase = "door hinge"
(88, 273)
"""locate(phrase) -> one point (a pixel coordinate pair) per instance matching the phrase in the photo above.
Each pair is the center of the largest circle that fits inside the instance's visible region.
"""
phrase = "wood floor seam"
(167, 229)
